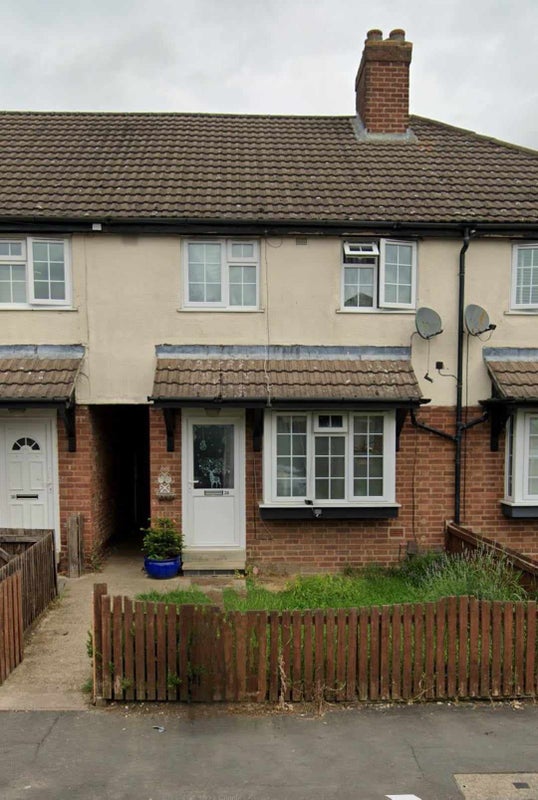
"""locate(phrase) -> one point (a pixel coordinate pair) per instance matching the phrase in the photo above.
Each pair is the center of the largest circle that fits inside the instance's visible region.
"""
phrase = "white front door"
(26, 477)
(214, 481)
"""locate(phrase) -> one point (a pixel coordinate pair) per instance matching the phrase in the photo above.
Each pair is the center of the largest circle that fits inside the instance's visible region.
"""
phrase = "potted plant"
(162, 547)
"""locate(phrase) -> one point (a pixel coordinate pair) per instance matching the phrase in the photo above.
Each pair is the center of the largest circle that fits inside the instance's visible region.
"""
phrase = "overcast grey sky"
(475, 62)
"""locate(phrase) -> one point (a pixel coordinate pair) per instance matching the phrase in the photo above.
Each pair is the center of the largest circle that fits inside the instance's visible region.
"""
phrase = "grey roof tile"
(38, 379)
(515, 380)
(309, 379)
(256, 168)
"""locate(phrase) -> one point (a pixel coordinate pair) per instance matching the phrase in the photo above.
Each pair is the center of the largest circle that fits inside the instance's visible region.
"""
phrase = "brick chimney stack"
(382, 83)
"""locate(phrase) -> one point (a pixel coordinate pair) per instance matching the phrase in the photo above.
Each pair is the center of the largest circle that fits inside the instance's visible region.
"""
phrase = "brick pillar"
(161, 459)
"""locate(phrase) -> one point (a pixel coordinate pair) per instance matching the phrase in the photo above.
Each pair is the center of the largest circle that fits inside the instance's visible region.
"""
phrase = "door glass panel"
(213, 456)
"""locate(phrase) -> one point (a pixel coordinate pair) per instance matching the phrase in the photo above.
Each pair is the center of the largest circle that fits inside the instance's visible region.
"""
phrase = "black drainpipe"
(460, 427)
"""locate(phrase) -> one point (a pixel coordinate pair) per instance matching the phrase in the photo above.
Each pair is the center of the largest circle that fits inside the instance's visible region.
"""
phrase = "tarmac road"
(360, 753)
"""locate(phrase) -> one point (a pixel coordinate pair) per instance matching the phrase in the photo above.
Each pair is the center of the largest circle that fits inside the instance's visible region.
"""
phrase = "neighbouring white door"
(27, 488)
(214, 503)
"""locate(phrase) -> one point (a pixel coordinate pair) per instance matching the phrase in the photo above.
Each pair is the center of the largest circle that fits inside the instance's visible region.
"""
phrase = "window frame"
(378, 251)
(517, 458)
(514, 305)
(271, 498)
(27, 258)
(226, 262)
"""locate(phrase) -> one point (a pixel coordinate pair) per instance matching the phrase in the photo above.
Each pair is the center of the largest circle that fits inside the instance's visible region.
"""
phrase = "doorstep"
(213, 561)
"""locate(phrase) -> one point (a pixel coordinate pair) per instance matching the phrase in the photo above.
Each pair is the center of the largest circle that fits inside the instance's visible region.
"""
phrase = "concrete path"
(56, 664)
(430, 752)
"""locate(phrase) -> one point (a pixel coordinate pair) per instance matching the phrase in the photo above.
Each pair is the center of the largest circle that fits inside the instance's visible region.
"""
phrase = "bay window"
(323, 457)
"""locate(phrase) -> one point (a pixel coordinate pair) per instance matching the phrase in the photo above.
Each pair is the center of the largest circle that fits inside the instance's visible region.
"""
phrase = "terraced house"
(221, 319)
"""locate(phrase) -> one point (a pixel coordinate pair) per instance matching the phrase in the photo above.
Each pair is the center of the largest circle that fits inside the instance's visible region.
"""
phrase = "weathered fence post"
(75, 554)
(99, 591)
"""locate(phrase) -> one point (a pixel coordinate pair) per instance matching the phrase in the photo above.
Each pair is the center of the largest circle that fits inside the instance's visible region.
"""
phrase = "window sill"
(389, 311)
(323, 512)
(37, 308)
(521, 312)
(203, 310)
(512, 510)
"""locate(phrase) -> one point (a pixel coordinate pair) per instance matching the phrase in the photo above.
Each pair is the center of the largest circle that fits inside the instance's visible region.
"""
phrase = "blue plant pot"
(168, 568)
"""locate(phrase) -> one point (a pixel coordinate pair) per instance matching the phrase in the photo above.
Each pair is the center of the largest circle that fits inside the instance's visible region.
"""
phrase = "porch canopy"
(305, 377)
(41, 376)
(514, 384)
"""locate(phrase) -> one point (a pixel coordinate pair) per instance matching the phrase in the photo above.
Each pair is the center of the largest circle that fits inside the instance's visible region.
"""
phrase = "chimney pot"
(397, 35)
(375, 35)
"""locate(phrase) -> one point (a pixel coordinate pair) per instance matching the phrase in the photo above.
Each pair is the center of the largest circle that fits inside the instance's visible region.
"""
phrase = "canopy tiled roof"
(256, 168)
(515, 380)
(38, 379)
(256, 380)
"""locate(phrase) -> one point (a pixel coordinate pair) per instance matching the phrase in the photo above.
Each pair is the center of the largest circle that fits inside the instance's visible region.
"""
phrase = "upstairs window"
(380, 274)
(222, 274)
(525, 277)
(34, 272)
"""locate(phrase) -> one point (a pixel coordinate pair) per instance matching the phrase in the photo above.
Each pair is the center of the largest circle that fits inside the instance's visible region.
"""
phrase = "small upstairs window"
(379, 275)
(34, 272)
(525, 277)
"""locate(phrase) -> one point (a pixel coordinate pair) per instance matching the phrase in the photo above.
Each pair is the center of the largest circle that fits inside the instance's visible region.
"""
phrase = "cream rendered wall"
(135, 290)
(128, 298)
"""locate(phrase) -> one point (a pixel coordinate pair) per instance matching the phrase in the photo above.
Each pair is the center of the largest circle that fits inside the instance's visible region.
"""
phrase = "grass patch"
(324, 591)
(181, 597)
(421, 579)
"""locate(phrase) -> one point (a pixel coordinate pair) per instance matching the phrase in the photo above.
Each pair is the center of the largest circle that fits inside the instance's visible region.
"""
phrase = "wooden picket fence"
(11, 624)
(27, 585)
(454, 648)
(32, 553)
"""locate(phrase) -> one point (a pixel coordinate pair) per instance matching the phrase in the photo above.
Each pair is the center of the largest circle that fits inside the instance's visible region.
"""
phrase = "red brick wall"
(86, 481)
(483, 487)
(424, 488)
(159, 459)
(382, 84)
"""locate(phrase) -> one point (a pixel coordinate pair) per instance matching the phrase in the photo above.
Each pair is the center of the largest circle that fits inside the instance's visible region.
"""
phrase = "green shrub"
(162, 539)
(415, 569)
(481, 574)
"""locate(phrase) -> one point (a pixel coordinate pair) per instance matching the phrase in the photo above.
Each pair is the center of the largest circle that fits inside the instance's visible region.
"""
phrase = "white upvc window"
(521, 457)
(379, 275)
(525, 276)
(221, 274)
(343, 458)
(34, 272)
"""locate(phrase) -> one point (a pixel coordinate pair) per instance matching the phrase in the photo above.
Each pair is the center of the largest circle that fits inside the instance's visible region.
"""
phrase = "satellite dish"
(428, 323)
(476, 320)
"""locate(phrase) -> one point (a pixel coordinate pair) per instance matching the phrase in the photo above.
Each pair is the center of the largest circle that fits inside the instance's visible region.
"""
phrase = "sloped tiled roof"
(515, 380)
(280, 380)
(256, 168)
(38, 379)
